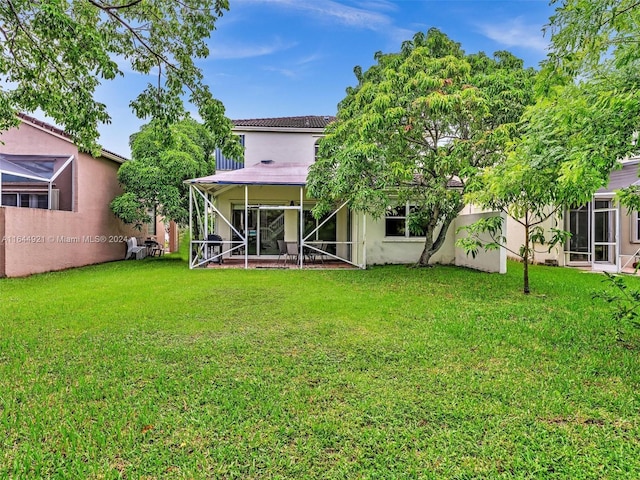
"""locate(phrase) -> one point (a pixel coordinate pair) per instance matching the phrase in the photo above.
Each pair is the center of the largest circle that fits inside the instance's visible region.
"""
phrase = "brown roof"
(62, 133)
(308, 121)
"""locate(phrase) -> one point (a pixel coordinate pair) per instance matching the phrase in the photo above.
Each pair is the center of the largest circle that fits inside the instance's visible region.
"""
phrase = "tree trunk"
(431, 246)
(526, 260)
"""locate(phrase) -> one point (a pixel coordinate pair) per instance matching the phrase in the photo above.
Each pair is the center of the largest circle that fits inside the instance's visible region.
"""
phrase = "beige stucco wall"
(515, 239)
(485, 260)
(37, 240)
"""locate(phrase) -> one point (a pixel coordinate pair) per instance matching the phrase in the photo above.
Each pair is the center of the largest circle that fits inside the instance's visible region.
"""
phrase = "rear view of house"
(252, 211)
(54, 202)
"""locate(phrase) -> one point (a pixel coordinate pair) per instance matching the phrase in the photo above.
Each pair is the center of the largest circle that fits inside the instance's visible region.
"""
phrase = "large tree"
(153, 181)
(537, 181)
(416, 128)
(54, 53)
(581, 126)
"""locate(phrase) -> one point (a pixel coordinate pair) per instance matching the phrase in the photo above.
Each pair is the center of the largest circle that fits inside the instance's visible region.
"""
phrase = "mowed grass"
(148, 370)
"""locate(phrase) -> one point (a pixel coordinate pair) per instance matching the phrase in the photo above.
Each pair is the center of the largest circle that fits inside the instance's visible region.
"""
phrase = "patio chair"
(319, 254)
(323, 253)
(292, 252)
(282, 250)
(134, 251)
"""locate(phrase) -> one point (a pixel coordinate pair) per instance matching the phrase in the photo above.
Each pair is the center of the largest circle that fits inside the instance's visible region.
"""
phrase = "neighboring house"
(54, 203)
(256, 206)
(604, 235)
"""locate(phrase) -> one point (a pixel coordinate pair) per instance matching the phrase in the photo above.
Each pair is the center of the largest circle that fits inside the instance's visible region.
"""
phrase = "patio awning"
(266, 172)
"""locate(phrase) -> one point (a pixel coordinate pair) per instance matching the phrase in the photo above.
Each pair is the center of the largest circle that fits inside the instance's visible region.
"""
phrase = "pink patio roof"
(267, 172)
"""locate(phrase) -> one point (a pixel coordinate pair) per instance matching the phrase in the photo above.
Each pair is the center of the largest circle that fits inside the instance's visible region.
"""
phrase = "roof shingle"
(307, 121)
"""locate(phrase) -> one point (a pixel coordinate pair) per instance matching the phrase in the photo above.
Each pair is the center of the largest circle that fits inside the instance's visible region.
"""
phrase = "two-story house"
(251, 211)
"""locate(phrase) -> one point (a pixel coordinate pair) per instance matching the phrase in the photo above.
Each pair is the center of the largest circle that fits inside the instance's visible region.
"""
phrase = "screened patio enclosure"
(604, 235)
(254, 212)
(36, 181)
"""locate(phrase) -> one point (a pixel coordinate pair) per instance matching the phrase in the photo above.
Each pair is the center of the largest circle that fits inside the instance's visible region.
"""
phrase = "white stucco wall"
(401, 250)
(486, 261)
(282, 147)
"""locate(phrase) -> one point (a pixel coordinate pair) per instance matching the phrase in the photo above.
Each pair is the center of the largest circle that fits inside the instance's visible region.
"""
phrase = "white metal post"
(301, 252)
(364, 240)
(206, 217)
(190, 226)
(246, 226)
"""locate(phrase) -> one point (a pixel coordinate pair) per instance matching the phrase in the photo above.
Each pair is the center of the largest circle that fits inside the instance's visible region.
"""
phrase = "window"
(26, 200)
(316, 148)
(397, 222)
(10, 199)
(635, 227)
(151, 224)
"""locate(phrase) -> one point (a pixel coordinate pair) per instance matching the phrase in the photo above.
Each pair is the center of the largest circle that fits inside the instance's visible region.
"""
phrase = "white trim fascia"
(113, 156)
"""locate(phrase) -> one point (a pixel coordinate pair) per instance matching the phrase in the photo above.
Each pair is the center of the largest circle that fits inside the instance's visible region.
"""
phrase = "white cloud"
(282, 71)
(366, 18)
(309, 59)
(516, 33)
(236, 51)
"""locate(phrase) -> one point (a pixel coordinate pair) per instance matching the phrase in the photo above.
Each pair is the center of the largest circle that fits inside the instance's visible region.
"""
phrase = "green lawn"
(149, 370)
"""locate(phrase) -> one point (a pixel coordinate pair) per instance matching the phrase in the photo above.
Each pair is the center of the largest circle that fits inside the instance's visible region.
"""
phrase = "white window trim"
(407, 233)
(634, 231)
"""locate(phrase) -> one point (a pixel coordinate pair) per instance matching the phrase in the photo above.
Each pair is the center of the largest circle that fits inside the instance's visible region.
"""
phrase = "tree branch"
(119, 7)
(36, 44)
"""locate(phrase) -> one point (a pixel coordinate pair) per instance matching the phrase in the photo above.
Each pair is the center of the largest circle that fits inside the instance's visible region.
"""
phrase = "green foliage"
(595, 44)
(568, 143)
(589, 33)
(56, 52)
(417, 122)
(583, 123)
(162, 160)
(625, 307)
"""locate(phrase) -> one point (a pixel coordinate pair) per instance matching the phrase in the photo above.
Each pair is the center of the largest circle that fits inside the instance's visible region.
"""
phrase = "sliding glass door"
(265, 226)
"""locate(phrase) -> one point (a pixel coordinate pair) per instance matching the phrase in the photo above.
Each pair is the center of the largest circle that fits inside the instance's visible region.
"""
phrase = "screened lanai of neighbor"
(36, 181)
(260, 215)
(605, 236)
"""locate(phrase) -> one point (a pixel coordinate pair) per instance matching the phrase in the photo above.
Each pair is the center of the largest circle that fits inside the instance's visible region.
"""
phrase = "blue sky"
(273, 58)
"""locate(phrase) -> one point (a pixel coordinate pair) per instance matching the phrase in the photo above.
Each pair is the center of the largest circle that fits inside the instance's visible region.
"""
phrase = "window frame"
(635, 227)
(407, 234)
(39, 200)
